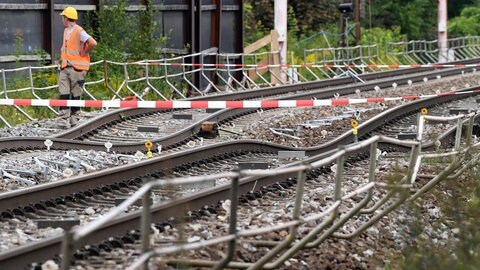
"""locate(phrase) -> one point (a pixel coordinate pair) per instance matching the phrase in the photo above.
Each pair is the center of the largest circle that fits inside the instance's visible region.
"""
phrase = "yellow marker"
(355, 131)
(424, 111)
(354, 124)
(149, 146)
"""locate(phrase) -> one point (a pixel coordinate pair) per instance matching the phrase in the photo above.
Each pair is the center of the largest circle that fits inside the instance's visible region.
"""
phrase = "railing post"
(373, 162)
(297, 211)
(414, 164)
(146, 223)
(458, 138)
(67, 250)
(458, 134)
(232, 229)
(469, 133)
(338, 180)
(5, 94)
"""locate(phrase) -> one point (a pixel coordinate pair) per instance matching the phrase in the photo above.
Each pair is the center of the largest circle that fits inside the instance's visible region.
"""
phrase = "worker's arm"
(90, 44)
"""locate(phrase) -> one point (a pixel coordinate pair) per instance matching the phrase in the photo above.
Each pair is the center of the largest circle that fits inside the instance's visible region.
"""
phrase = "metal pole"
(50, 29)
(281, 7)
(357, 22)
(67, 250)
(346, 38)
(338, 181)
(146, 222)
(442, 31)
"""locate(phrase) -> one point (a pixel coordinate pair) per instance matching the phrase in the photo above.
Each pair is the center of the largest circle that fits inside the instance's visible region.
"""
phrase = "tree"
(310, 15)
(455, 7)
(416, 18)
(467, 24)
(125, 36)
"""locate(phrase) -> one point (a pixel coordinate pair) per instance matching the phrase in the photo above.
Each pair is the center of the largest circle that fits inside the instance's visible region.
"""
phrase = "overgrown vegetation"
(123, 35)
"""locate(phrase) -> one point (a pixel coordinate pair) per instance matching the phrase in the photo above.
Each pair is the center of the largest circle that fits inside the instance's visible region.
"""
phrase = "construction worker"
(77, 45)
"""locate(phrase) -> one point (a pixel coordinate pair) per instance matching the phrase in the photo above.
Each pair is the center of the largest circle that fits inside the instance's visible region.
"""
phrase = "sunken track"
(45, 249)
(300, 91)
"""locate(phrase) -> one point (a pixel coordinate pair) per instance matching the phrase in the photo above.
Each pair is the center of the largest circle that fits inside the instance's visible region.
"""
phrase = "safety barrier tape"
(205, 104)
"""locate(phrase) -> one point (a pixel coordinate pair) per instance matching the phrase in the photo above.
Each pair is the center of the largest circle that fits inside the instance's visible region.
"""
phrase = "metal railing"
(200, 73)
(333, 62)
(426, 52)
(329, 220)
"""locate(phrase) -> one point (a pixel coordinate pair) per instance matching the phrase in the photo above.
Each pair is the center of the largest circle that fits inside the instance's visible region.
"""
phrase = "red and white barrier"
(205, 104)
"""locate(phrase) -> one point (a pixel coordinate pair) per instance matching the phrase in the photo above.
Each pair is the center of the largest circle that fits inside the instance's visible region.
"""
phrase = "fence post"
(469, 132)
(146, 223)
(232, 229)
(67, 250)
(297, 211)
(338, 180)
(458, 137)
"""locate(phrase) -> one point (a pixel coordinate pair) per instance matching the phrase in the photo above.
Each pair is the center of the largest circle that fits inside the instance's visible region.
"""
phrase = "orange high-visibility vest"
(71, 51)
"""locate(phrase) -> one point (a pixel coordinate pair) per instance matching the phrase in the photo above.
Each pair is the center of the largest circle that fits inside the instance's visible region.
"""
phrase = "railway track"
(89, 135)
(307, 127)
(184, 152)
(187, 159)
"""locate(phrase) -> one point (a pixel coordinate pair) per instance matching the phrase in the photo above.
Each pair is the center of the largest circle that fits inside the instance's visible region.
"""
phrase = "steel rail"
(165, 210)
(129, 171)
(388, 76)
(61, 141)
(30, 143)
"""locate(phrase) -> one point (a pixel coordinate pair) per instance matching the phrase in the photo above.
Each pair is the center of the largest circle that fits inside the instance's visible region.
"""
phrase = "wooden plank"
(274, 57)
(22, 7)
(13, 58)
(77, 7)
(258, 44)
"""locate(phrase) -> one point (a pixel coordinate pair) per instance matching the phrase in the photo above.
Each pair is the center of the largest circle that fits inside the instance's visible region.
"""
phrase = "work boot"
(74, 119)
(64, 114)
(63, 123)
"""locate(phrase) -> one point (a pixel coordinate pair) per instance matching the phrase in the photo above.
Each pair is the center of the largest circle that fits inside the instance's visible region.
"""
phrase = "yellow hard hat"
(70, 13)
